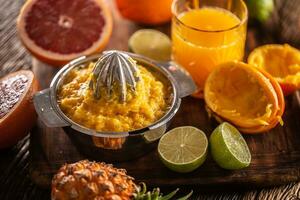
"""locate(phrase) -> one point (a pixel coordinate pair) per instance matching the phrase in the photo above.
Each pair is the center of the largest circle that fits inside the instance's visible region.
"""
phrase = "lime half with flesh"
(228, 147)
(151, 43)
(183, 149)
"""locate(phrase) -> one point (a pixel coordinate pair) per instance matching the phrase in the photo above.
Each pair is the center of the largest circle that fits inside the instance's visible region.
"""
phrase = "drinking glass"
(206, 33)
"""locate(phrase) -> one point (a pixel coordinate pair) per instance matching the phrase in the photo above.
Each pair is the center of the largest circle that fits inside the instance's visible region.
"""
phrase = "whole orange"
(150, 12)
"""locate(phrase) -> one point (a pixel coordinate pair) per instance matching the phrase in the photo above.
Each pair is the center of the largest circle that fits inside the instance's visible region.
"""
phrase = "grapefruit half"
(17, 113)
(58, 31)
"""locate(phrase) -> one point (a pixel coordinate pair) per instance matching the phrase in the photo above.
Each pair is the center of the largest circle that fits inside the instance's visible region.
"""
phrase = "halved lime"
(183, 149)
(228, 147)
(151, 43)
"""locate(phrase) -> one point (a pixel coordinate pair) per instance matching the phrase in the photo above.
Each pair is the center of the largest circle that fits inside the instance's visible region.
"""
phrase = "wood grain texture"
(275, 155)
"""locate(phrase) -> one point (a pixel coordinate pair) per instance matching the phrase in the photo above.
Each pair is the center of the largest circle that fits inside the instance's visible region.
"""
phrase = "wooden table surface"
(15, 182)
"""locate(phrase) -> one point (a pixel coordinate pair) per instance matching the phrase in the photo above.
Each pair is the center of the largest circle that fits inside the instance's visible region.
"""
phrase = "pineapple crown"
(143, 194)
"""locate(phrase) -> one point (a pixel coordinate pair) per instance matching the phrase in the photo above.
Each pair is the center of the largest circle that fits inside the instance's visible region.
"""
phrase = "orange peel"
(147, 12)
(245, 96)
(280, 61)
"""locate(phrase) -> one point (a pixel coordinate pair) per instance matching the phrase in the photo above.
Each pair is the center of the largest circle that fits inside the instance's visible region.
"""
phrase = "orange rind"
(245, 96)
(147, 12)
(280, 61)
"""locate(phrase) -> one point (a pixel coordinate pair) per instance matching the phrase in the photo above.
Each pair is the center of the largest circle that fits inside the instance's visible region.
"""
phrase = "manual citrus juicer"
(114, 67)
(114, 70)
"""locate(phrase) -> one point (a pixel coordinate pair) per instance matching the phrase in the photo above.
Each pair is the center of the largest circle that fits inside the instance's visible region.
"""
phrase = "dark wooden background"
(15, 182)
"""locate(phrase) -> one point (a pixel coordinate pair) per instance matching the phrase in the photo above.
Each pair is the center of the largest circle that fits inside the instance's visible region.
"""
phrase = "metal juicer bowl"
(114, 146)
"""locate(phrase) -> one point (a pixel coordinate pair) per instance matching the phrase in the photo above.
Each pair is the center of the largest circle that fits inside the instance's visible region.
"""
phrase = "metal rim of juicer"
(57, 81)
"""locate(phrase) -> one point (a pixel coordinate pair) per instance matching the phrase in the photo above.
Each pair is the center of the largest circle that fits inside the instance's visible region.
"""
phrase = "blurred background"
(278, 19)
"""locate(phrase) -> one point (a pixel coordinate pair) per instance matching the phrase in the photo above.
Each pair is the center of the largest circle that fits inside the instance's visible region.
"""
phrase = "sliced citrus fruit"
(59, 31)
(151, 43)
(281, 102)
(183, 149)
(17, 113)
(279, 113)
(252, 130)
(244, 96)
(228, 147)
(281, 61)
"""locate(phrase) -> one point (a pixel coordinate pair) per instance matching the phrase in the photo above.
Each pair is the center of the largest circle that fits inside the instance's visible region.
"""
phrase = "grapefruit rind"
(17, 123)
(57, 59)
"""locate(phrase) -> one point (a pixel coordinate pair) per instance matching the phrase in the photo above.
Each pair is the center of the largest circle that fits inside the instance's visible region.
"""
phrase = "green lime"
(228, 147)
(260, 9)
(183, 149)
(151, 43)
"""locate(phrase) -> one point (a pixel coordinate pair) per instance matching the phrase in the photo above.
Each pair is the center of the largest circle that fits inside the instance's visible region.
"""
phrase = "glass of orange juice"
(206, 33)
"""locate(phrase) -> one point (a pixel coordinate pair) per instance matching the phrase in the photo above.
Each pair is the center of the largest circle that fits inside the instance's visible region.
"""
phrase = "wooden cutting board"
(275, 155)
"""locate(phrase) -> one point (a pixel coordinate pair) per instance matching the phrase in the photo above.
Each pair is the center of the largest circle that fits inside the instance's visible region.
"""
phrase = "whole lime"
(260, 9)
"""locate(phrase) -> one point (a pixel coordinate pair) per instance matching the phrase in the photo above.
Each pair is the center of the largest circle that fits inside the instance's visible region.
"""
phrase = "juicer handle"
(45, 110)
(184, 82)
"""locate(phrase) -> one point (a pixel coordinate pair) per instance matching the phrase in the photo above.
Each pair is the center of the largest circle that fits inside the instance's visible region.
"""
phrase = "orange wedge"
(244, 96)
(280, 61)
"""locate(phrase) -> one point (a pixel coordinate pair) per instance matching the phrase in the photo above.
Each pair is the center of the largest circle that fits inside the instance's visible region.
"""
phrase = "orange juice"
(205, 37)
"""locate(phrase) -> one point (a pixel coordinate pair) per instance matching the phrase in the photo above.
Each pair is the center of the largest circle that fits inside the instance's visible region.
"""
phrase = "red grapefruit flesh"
(17, 113)
(59, 31)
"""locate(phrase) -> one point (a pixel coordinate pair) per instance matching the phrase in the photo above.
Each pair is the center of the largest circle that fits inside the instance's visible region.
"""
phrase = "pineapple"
(90, 180)
(85, 180)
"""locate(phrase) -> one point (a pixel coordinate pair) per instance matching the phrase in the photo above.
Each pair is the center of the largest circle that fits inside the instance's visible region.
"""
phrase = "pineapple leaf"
(148, 196)
(186, 197)
(155, 194)
(143, 194)
(169, 196)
